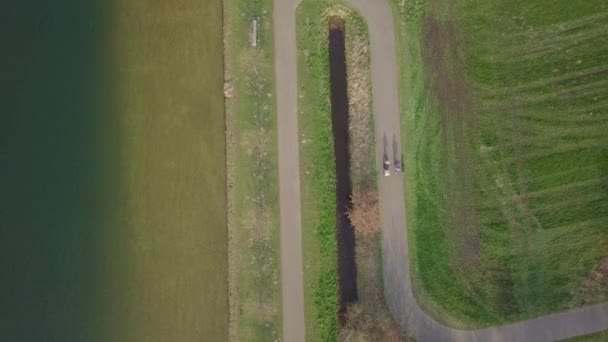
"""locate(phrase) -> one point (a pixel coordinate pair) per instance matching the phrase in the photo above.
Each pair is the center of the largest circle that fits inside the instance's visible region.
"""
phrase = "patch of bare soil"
(447, 83)
(231, 141)
(594, 288)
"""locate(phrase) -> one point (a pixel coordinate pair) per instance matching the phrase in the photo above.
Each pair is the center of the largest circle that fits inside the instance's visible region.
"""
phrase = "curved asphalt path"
(397, 282)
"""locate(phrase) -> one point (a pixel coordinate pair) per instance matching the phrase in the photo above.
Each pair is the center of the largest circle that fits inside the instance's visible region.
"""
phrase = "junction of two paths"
(397, 282)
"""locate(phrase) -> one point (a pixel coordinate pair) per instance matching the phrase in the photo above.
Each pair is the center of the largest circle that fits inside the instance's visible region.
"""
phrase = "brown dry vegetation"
(365, 212)
(359, 101)
(231, 140)
(369, 318)
(594, 288)
(233, 258)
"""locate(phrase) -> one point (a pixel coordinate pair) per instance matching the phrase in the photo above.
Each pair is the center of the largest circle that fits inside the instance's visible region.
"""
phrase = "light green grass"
(596, 337)
(539, 198)
(254, 248)
(167, 265)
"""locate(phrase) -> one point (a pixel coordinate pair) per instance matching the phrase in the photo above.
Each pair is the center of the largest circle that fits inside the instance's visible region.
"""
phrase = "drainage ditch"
(347, 270)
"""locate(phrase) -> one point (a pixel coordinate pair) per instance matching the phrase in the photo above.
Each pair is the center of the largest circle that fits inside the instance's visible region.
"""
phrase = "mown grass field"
(167, 258)
(255, 299)
(504, 108)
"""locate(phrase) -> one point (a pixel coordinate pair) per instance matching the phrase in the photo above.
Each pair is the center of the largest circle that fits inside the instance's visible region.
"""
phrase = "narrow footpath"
(286, 70)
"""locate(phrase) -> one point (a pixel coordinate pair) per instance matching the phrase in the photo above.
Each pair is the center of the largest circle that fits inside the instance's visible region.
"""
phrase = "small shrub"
(365, 212)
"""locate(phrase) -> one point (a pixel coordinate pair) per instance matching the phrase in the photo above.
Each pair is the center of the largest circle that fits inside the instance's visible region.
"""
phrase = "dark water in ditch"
(347, 271)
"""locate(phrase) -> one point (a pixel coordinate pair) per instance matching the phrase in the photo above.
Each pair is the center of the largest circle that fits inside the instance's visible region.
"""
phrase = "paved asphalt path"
(289, 170)
(397, 280)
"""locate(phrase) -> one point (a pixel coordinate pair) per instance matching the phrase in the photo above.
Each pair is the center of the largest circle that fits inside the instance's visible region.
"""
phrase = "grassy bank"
(317, 172)
(503, 110)
(255, 290)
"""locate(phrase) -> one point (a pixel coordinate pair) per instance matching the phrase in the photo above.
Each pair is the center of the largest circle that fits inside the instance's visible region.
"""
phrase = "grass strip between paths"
(255, 288)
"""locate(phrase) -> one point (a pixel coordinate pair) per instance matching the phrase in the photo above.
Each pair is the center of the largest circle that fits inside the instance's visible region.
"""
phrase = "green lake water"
(53, 108)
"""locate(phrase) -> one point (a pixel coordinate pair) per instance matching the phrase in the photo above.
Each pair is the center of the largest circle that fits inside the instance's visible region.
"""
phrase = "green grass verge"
(535, 72)
(595, 337)
(254, 248)
(317, 172)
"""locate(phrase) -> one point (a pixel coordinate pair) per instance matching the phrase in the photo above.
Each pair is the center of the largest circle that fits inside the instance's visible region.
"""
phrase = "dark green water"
(58, 170)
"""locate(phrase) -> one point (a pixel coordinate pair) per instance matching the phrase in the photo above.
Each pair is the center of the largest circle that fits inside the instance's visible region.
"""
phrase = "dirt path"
(289, 169)
(397, 280)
